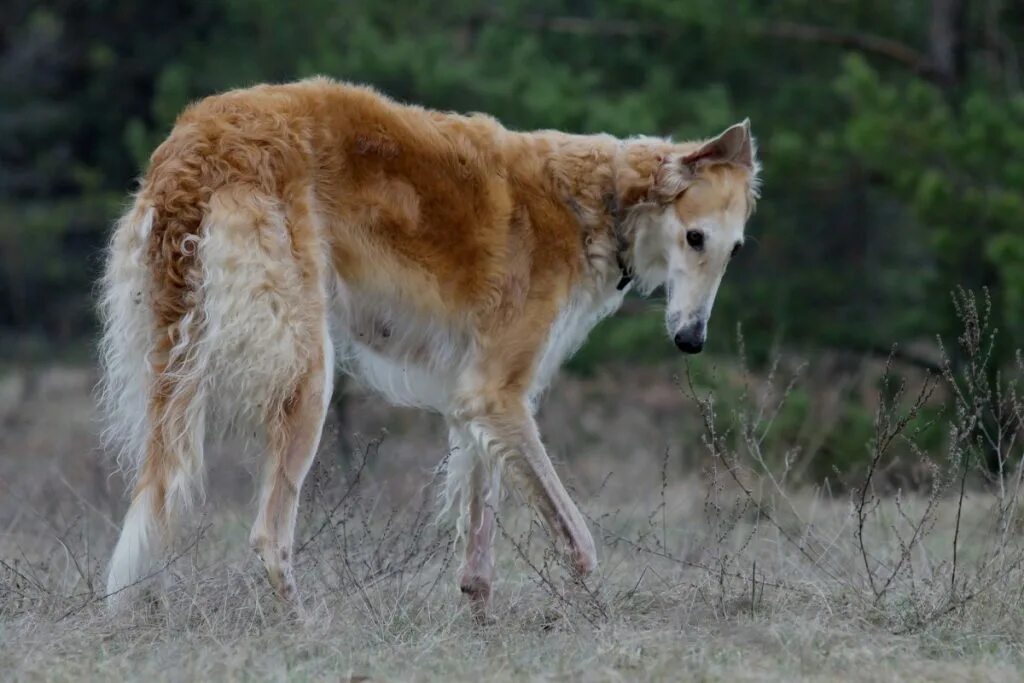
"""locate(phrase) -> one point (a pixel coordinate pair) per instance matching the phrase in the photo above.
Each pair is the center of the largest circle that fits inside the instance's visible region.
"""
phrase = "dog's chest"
(582, 311)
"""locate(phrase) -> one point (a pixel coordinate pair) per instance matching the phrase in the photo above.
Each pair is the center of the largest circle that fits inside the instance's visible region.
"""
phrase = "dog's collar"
(627, 274)
(621, 243)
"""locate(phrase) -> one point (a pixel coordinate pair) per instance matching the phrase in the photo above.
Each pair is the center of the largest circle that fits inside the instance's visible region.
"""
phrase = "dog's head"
(691, 223)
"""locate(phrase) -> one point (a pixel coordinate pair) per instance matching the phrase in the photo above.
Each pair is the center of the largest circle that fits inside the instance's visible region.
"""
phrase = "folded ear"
(734, 146)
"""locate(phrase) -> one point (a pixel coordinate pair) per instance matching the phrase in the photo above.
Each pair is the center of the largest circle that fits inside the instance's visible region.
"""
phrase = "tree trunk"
(947, 40)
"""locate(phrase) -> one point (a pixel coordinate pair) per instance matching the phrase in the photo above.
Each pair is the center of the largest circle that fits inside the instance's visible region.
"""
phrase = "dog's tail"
(200, 327)
(128, 333)
(152, 388)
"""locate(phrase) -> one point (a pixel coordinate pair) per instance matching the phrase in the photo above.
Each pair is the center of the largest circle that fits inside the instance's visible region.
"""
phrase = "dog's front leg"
(512, 438)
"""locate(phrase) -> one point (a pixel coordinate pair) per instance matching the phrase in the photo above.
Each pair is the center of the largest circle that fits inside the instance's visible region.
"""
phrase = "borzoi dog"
(443, 260)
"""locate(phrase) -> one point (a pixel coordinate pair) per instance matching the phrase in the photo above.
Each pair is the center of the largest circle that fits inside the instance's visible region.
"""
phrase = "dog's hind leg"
(294, 429)
(476, 480)
(265, 327)
(289, 364)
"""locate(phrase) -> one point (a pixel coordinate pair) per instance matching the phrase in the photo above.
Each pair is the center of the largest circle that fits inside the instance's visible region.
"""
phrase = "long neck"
(600, 179)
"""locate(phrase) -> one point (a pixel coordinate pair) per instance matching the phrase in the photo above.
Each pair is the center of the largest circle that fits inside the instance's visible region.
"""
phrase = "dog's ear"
(665, 177)
(735, 145)
(676, 172)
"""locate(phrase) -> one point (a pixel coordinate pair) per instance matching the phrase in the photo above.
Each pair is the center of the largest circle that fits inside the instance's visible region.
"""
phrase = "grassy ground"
(703, 576)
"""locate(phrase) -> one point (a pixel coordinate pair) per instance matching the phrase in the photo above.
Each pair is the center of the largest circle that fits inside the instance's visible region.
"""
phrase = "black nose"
(690, 339)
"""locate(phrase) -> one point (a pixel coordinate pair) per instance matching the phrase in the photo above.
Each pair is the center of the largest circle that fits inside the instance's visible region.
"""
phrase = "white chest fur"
(582, 311)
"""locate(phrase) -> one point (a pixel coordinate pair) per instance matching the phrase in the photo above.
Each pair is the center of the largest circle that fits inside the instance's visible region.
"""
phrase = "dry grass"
(661, 608)
(727, 574)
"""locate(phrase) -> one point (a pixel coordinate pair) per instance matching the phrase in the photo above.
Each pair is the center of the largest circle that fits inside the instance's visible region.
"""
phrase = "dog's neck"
(603, 180)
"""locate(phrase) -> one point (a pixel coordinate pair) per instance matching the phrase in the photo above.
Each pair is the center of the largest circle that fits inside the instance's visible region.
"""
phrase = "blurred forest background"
(891, 132)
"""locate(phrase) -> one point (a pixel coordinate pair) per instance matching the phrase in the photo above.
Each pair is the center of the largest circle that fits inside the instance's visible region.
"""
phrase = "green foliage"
(957, 168)
(885, 185)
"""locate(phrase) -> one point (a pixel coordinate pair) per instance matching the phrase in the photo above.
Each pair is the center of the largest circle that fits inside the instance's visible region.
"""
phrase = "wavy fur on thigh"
(243, 343)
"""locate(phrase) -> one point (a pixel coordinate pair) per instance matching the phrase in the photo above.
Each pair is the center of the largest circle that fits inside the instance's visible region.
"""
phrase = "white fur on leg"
(461, 468)
(137, 548)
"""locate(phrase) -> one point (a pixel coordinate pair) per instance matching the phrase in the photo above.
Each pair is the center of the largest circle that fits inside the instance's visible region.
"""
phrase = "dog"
(443, 260)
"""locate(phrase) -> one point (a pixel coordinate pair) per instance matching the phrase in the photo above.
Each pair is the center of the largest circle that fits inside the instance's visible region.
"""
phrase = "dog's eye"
(736, 248)
(695, 238)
